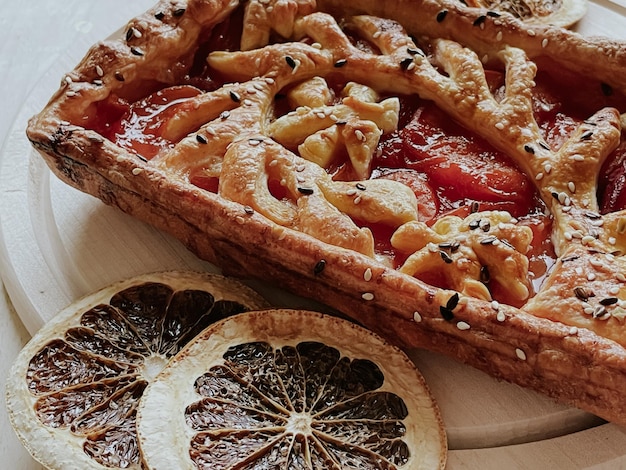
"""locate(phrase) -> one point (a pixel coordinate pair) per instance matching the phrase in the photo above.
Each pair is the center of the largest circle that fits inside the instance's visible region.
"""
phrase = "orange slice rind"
(290, 389)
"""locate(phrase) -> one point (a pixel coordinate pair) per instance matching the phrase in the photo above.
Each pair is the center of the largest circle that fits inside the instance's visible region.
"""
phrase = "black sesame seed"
(235, 97)
(119, 76)
(446, 313)
(305, 191)
(488, 241)
(485, 226)
(453, 301)
(445, 257)
(179, 12)
(493, 14)
(201, 139)
(159, 15)
(130, 33)
(569, 258)
(480, 20)
(592, 215)
(475, 207)
(248, 210)
(474, 224)
(587, 135)
(609, 301)
(581, 293)
(485, 276)
(607, 89)
(544, 145)
(529, 149)
(319, 267)
(340, 63)
(442, 15)
(405, 63)
(412, 51)
(555, 195)
(361, 187)
(290, 61)
(136, 51)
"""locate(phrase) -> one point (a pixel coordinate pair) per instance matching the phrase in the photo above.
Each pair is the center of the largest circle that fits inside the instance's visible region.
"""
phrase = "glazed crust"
(547, 345)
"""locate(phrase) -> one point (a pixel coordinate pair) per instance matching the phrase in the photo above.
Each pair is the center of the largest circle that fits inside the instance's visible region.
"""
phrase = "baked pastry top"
(327, 147)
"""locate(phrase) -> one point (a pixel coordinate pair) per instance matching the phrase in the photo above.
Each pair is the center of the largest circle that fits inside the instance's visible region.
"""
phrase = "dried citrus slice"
(556, 12)
(73, 391)
(290, 389)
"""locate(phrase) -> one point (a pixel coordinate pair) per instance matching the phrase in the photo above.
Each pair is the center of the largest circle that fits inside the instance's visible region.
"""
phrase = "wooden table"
(490, 425)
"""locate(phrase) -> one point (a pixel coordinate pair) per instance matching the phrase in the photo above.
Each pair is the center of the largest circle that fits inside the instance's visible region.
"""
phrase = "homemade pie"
(449, 176)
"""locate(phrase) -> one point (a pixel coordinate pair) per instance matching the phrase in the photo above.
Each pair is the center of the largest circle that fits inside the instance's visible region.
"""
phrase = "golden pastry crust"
(566, 340)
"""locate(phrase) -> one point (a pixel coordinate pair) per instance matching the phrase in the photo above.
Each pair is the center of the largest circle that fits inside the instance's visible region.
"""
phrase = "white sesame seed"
(500, 316)
(587, 239)
(357, 200)
(499, 36)
(99, 71)
(588, 310)
(485, 58)
(539, 176)
(614, 290)
(367, 296)
(531, 32)
(578, 158)
(520, 354)
(568, 236)
(119, 158)
(620, 277)
(591, 276)
(499, 126)
(547, 168)
(573, 331)
(495, 305)
(417, 317)
(367, 275)
(240, 220)
(137, 171)
(432, 247)
(571, 186)
(463, 326)
(359, 135)
(578, 270)
(376, 35)
(544, 43)
(612, 241)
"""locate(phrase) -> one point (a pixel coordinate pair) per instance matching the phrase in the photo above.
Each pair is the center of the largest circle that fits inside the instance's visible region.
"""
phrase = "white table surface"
(32, 36)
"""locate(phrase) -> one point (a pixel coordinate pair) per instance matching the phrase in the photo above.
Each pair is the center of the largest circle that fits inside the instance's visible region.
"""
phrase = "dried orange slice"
(556, 12)
(290, 389)
(73, 391)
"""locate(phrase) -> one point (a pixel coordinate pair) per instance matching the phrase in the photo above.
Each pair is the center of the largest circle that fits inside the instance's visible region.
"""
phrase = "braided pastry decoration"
(276, 199)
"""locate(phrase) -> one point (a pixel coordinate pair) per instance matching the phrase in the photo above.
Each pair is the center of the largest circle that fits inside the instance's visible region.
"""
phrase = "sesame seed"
(119, 76)
(137, 171)
(495, 305)
(591, 277)
(445, 257)
(319, 267)
(446, 313)
(178, 12)
(367, 275)
(620, 277)
(201, 139)
(406, 62)
(614, 290)
(529, 149)
(453, 301)
(544, 43)
(417, 318)
(224, 115)
(480, 20)
(376, 35)
(539, 176)
(136, 51)
(500, 316)
(547, 168)
(290, 61)
(305, 191)
(587, 239)
(499, 36)
(99, 71)
(235, 96)
(367, 296)
(573, 331)
(587, 135)
(531, 32)
(520, 354)
(571, 186)
(441, 15)
(578, 158)
(609, 301)
(340, 63)
(499, 125)
(568, 236)
(463, 326)
(359, 135)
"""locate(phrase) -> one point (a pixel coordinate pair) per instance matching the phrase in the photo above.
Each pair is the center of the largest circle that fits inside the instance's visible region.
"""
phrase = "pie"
(450, 178)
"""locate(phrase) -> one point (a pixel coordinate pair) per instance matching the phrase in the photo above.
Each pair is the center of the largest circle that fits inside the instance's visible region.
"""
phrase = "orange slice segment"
(290, 389)
(73, 391)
